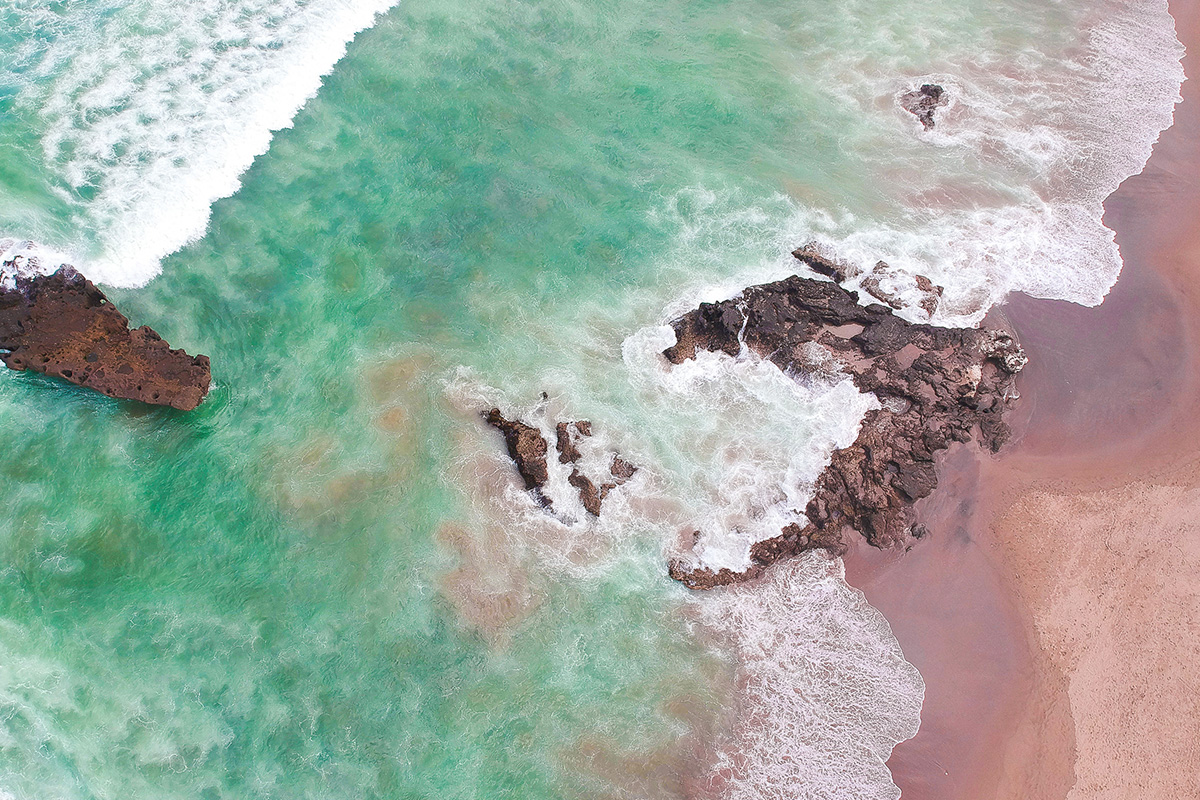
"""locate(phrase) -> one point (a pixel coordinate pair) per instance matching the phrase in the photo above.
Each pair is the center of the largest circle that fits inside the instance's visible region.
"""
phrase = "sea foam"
(825, 692)
(25, 259)
(151, 111)
(1048, 137)
(1004, 195)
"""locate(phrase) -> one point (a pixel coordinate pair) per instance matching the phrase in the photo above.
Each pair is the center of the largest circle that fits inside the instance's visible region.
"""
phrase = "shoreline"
(1044, 610)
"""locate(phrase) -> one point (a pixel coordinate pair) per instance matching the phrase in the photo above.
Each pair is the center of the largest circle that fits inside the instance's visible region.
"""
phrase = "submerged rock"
(62, 325)
(936, 385)
(895, 287)
(924, 102)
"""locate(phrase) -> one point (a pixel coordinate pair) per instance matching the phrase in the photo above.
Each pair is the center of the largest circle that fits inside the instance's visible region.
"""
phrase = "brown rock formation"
(936, 385)
(566, 436)
(589, 494)
(527, 448)
(62, 325)
(621, 469)
(924, 102)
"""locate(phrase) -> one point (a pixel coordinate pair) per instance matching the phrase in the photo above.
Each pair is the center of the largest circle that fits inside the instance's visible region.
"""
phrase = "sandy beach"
(1055, 610)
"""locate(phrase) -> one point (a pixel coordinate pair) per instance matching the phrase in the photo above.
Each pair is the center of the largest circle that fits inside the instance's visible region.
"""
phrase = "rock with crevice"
(924, 103)
(61, 325)
(935, 385)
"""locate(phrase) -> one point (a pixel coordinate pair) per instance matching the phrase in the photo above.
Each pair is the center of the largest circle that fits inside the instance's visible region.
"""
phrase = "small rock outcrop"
(924, 102)
(62, 325)
(821, 263)
(590, 494)
(527, 448)
(936, 386)
(566, 438)
(885, 283)
(621, 469)
(894, 287)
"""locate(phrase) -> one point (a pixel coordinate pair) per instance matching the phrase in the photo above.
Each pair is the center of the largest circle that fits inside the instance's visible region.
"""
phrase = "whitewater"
(379, 218)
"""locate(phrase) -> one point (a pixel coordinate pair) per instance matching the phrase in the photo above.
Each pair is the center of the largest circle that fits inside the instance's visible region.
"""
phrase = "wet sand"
(1054, 611)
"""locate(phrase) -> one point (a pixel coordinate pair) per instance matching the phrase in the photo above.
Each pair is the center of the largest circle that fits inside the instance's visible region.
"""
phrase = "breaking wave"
(151, 111)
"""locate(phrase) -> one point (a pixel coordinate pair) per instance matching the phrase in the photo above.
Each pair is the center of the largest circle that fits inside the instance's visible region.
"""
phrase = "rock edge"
(62, 325)
(936, 385)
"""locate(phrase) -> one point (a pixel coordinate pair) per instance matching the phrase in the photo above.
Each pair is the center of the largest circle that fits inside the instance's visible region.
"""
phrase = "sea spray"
(25, 259)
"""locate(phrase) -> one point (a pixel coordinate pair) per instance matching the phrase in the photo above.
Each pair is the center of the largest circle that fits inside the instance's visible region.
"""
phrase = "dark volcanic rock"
(62, 325)
(527, 448)
(936, 385)
(924, 102)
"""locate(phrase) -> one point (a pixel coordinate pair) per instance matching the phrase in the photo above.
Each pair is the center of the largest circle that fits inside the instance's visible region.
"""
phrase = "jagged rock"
(822, 264)
(527, 448)
(1002, 347)
(891, 286)
(621, 469)
(62, 325)
(936, 385)
(566, 435)
(589, 495)
(924, 102)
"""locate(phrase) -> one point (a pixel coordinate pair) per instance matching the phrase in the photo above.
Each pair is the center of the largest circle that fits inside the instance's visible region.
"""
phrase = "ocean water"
(380, 218)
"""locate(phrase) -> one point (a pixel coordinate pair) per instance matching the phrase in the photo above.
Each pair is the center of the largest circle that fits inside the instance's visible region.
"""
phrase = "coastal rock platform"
(935, 385)
(62, 325)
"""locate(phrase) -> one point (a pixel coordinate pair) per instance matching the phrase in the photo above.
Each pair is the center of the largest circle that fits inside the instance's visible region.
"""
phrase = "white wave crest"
(25, 259)
(1005, 194)
(153, 110)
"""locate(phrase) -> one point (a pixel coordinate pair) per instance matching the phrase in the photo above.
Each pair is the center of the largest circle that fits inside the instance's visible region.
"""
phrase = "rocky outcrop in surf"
(884, 282)
(60, 324)
(528, 449)
(935, 385)
(924, 102)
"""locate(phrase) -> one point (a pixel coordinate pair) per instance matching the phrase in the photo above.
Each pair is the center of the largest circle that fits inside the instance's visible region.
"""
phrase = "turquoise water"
(323, 583)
